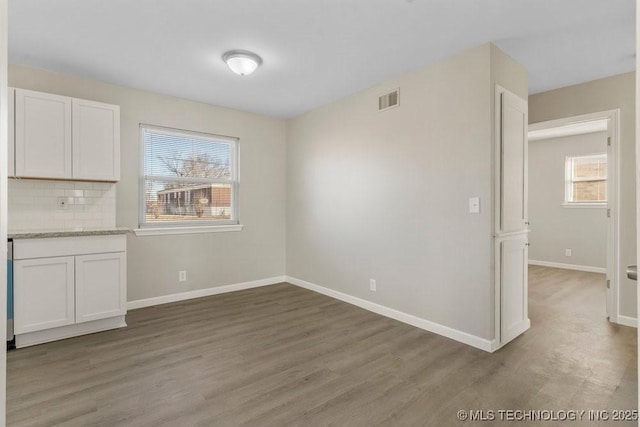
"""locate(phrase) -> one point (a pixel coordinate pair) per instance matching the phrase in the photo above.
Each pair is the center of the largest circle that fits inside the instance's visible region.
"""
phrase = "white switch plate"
(474, 205)
(567, 252)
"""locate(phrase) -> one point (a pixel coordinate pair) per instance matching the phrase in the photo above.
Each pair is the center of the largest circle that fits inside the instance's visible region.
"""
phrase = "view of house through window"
(189, 178)
(586, 179)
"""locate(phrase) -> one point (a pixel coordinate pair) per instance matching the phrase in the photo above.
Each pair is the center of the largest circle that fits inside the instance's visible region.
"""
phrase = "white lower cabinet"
(43, 294)
(99, 286)
(68, 286)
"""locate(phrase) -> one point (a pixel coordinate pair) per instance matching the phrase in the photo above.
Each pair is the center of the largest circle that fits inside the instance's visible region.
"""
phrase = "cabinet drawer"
(66, 246)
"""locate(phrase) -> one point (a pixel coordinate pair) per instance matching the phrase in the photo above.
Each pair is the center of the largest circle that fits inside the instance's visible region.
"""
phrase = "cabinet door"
(514, 313)
(96, 141)
(101, 283)
(512, 113)
(43, 293)
(11, 140)
(42, 135)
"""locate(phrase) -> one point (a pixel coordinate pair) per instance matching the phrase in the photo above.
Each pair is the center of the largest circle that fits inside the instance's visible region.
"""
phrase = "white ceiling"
(314, 51)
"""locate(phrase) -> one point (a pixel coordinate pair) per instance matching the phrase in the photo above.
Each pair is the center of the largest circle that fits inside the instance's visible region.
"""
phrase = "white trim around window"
(571, 162)
(576, 205)
(189, 182)
(186, 230)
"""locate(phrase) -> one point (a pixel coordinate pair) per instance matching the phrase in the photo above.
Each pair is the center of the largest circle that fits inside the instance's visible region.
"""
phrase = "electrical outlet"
(567, 252)
(182, 275)
(372, 285)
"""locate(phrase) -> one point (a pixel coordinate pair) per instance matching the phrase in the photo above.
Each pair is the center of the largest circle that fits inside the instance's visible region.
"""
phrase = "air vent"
(389, 100)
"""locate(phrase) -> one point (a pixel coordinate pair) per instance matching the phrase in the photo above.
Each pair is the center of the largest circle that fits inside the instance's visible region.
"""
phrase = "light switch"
(474, 205)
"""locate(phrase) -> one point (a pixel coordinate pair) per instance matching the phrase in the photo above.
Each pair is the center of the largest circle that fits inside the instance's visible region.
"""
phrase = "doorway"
(573, 198)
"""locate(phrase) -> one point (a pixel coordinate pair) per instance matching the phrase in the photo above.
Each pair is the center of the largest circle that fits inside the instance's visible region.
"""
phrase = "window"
(586, 180)
(188, 178)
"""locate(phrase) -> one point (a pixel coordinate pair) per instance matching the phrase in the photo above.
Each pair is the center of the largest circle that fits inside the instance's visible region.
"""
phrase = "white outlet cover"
(474, 205)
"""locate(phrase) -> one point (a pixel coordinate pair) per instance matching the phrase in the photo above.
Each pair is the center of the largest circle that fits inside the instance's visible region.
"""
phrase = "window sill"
(584, 205)
(158, 231)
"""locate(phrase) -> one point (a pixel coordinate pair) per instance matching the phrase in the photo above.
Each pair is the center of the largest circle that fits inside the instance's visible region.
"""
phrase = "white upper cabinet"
(66, 138)
(511, 151)
(96, 141)
(42, 135)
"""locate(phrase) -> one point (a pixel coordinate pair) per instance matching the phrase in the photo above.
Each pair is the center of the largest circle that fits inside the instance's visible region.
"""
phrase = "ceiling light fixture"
(242, 62)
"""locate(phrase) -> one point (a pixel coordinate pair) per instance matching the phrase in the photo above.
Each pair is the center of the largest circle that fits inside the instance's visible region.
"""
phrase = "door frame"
(613, 202)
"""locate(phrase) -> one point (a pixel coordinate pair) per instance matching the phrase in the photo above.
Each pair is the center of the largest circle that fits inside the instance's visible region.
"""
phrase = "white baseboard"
(522, 327)
(454, 334)
(164, 299)
(627, 321)
(569, 266)
(69, 331)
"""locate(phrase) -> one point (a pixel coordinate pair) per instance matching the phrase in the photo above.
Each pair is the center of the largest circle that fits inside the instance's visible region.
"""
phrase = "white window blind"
(188, 178)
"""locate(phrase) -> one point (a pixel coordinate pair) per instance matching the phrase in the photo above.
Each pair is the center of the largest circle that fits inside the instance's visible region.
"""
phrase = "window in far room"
(188, 178)
(586, 179)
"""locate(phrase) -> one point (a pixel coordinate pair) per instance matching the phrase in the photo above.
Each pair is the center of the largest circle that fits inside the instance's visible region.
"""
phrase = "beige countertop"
(40, 234)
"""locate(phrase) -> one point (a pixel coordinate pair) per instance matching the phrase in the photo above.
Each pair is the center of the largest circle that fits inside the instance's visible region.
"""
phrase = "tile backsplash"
(34, 205)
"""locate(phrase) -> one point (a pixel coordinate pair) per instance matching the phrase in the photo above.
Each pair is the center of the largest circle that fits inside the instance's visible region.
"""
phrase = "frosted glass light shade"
(242, 62)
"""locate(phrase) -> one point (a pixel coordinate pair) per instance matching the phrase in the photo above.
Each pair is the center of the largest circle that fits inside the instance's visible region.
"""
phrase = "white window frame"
(570, 179)
(189, 227)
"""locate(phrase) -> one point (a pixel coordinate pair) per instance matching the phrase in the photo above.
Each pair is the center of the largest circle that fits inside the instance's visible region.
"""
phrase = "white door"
(11, 139)
(511, 217)
(43, 293)
(512, 147)
(100, 286)
(96, 141)
(514, 313)
(42, 134)
(638, 174)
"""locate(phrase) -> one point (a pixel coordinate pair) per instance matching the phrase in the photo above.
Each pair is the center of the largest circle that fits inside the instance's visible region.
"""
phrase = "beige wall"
(600, 95)
(212, 259)
(554, 227)
(384, 195)
(509, 74)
